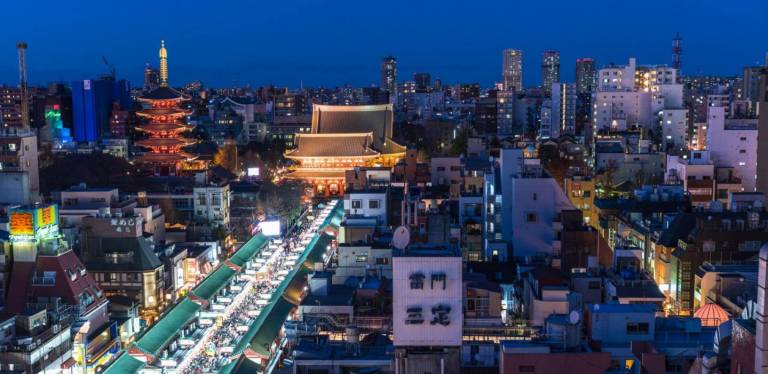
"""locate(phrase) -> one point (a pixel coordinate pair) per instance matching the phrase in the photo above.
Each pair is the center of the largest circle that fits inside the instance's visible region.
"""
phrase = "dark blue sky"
(335, 42)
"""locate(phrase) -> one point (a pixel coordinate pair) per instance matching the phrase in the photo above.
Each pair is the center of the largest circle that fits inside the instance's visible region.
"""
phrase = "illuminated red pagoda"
(165, 125)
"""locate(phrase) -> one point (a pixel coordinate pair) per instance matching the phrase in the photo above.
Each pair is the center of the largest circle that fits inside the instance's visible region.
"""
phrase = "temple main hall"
(342, 138)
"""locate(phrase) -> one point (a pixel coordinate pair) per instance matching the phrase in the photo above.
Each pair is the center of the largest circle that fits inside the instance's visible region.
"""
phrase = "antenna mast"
(22, 48)
(677, 52)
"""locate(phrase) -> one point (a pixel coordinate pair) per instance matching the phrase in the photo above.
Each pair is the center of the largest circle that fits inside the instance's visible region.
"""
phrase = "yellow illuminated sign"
(46, 216)
(22, 223)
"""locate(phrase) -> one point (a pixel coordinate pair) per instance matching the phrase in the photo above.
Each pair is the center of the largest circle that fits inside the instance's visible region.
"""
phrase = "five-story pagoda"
(165, 126)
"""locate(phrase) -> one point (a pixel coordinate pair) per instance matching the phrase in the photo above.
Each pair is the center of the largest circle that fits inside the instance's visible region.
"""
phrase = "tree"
(226, 157)
(170, 212)
(459, 144)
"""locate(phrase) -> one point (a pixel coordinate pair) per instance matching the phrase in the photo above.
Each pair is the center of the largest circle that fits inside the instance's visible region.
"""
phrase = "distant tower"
(550, 69)
(22, 48)
(389, 75)
(512, 70)
(677, 52)
(163, 65)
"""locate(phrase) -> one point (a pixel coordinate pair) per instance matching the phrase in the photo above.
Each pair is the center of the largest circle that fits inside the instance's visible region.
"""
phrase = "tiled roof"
(69, 283)
(143, 258)
(163, 93)
(335, 119)
(336, 145)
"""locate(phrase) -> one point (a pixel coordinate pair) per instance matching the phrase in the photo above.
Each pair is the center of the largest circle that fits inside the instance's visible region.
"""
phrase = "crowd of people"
(255, 288)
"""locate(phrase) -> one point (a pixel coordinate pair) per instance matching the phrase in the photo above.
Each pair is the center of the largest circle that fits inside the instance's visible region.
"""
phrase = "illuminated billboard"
(270, 228)
(34, 222)
(253, 172)
(22, 223)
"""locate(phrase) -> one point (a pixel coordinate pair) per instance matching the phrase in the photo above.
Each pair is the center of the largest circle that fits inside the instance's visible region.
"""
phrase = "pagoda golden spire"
(163, 65)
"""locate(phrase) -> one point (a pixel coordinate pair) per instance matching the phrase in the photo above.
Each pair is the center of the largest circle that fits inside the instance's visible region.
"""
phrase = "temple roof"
(163, 93)
(335, 119)
(165, 142)
(159, 127)
(167, 157)
(175, 112)
(333, 145)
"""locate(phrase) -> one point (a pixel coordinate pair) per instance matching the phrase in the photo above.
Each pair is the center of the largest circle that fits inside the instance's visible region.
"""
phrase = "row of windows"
(372, 204)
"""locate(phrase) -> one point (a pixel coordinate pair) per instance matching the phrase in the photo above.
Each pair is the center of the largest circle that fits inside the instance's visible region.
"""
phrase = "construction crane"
(22, 48)
(111, 68)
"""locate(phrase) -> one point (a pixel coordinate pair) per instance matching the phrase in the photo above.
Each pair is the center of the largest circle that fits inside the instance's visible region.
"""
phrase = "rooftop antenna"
(401, 237)
(677, 51)
(22, 48)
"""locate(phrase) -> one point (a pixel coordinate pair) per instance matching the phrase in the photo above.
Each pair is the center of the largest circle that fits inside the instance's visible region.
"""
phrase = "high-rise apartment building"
(513, 70)
(563, 113)
(550, 69)
(389, 75)
(585, 75)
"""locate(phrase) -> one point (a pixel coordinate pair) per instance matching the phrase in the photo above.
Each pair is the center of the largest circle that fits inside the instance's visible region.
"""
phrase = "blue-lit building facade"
(92, 105)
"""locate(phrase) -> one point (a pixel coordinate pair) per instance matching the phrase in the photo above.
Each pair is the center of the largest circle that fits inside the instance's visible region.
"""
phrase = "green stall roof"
(249, 249)
(214, 282)
(267, 325)
(125, 364)
(168, 326)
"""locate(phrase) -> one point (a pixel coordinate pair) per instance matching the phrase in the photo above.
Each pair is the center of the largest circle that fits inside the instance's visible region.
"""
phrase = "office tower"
(550, 69)
(423, 81)
(92, 101)
(151, 78)
(585, 75)
(513, 70)
(389, 75)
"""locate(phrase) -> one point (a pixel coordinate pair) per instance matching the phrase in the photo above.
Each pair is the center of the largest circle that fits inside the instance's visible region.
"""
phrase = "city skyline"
(332, 44)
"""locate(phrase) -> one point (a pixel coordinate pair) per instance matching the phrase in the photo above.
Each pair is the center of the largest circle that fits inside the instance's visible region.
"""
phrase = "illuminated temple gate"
(342, 138)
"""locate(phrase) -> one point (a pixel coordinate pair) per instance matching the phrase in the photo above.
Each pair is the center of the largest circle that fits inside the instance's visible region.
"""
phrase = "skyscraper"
(585, 75)
(389, 75)
(550, 69)
(151, 78)
(513, 70)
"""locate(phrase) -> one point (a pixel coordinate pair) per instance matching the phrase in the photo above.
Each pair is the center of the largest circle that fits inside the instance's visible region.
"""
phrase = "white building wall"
(621, 109)
(674, 126)
(367, 204)
(733, 147)
(426, 333)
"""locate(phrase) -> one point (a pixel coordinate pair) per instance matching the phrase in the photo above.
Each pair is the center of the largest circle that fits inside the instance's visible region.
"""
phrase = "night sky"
(331, 43)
